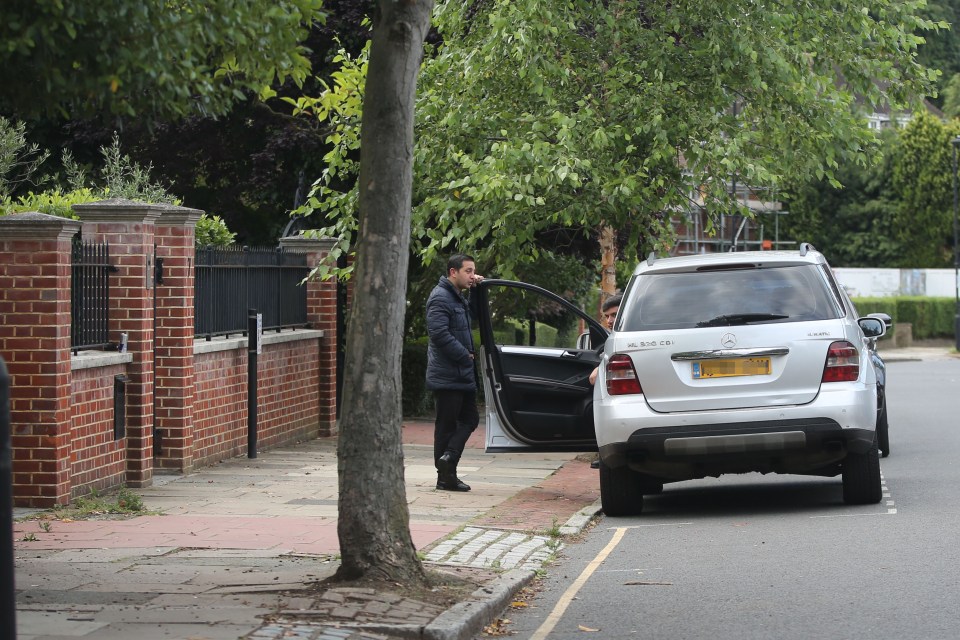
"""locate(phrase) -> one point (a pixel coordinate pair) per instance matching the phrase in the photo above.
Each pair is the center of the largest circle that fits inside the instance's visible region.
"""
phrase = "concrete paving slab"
(242, 538)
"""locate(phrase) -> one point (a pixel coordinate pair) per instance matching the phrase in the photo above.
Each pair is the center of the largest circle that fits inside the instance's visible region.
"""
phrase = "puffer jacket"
(449, 365)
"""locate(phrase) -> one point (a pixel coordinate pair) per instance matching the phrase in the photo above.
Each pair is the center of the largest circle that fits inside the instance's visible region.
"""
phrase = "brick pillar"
(173, 402)
(321, 314)
(35, 263)
(129, 227)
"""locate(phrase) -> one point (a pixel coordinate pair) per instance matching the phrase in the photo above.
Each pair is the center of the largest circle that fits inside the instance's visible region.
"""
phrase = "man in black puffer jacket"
(450, 368)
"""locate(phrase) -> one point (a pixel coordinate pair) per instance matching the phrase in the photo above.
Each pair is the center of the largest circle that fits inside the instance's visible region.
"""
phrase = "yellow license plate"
(729, 368)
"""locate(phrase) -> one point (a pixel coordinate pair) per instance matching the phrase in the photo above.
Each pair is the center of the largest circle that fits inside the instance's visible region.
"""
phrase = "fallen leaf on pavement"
(647, 582)
(497, 628)
(516, 604)
(583, 628)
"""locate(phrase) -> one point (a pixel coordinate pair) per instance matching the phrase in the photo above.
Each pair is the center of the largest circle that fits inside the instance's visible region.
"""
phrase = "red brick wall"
(97, 461)
(35, 343)
(287, 397)
(219, 405)
(62, 419)
(288, 377)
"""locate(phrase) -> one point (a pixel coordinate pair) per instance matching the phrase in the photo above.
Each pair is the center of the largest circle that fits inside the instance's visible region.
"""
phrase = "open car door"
(537, 353)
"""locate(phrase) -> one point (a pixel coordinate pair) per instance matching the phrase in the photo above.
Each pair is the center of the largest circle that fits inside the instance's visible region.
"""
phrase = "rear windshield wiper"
(740, 318)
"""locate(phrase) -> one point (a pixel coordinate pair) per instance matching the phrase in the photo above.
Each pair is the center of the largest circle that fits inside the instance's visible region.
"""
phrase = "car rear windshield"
(727, 297)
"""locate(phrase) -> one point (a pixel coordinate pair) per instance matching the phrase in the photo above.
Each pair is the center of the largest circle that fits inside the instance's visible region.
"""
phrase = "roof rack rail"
(806, 246)
(651, 258)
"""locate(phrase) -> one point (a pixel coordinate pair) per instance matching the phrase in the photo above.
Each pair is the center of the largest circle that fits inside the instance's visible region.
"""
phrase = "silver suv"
(718, 363)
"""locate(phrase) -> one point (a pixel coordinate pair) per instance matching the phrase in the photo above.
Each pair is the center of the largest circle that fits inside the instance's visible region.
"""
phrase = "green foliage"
(19, 160)
(212, 231)
(941, 50)
(54, 202)
(951, 96)
(930, 317)
(538, 116)
(855, 225)
(922, 176)
(338, 109)
(898, 213)
(124, 178)
(416, 399)
(151, 58)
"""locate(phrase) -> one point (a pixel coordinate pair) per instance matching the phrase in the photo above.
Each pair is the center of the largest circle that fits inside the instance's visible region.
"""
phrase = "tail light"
(621, 376)
(843, 363)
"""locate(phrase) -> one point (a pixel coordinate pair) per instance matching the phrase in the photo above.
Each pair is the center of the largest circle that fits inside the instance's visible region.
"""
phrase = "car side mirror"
(583, 341)
(872, 327)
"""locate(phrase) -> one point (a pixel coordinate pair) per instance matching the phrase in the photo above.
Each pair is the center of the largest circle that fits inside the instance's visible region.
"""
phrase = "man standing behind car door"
(450, 368)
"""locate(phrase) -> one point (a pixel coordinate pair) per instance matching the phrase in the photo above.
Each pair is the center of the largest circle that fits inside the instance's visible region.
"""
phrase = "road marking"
(544, 630)
(889, 504)
(643, 526)
(888, 512)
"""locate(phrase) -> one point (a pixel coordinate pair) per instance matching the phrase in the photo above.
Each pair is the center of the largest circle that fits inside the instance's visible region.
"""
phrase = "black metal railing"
(230, 281)
(89, 295)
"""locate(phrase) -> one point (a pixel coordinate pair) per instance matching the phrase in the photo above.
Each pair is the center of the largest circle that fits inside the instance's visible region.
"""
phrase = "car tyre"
(861, 477)
(648, 485)
(620, 493)
(883, 433)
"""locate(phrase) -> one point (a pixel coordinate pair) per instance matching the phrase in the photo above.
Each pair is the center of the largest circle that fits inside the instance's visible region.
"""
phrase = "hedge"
(930, 317)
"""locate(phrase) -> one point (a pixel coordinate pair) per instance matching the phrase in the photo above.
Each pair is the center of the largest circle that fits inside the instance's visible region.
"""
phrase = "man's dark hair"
(611, 302)
(456, 261)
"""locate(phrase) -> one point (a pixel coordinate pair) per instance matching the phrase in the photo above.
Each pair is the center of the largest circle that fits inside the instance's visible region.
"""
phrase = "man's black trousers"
(457, 418)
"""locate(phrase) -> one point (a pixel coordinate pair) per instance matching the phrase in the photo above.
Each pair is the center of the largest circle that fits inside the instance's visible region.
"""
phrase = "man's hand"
(593, 375)
(476, 279)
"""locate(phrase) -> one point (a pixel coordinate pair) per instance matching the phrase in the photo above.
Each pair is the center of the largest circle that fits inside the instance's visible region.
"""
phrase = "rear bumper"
(802, 446)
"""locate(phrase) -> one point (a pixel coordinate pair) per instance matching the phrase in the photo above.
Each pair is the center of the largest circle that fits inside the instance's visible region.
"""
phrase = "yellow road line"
(544, 630)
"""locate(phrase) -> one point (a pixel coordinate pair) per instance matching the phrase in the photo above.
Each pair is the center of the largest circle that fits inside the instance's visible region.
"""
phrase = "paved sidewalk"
(236, 539)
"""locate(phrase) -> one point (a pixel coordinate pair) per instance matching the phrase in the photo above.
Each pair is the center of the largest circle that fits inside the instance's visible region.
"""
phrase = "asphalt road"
(781, 557)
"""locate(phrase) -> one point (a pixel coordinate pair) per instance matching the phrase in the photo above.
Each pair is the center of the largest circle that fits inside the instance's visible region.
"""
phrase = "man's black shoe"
(446, 464)
(595, 464)
(452, 485)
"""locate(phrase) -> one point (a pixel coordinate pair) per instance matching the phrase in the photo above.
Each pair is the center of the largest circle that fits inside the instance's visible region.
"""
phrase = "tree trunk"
(374, 521)
(608, 262)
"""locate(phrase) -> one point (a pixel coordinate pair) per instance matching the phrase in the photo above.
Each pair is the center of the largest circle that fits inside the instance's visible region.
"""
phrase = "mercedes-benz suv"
(717, 363)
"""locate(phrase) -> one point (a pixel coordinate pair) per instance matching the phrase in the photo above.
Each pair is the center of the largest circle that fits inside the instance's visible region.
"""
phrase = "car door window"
(536, 368)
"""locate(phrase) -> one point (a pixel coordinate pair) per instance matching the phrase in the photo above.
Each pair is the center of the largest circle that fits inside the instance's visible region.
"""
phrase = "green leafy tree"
(150, 58)
(951, 96)
(922, 175)
(19, 159)
(855, 224)
(538, 116)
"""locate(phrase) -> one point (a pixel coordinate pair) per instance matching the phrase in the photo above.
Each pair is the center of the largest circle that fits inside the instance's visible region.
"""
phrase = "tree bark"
(374, 521)
(608, 263)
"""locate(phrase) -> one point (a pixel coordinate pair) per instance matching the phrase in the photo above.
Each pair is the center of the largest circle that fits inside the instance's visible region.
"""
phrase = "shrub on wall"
(212, 231)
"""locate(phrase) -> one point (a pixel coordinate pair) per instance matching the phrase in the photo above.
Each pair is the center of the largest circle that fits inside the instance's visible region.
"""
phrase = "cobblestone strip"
(306, 631)
(486, 548)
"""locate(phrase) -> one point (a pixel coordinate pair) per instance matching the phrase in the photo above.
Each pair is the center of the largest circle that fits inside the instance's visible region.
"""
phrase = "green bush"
(213, 231)
(54, 202)
(930, 317)
(416, 398)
